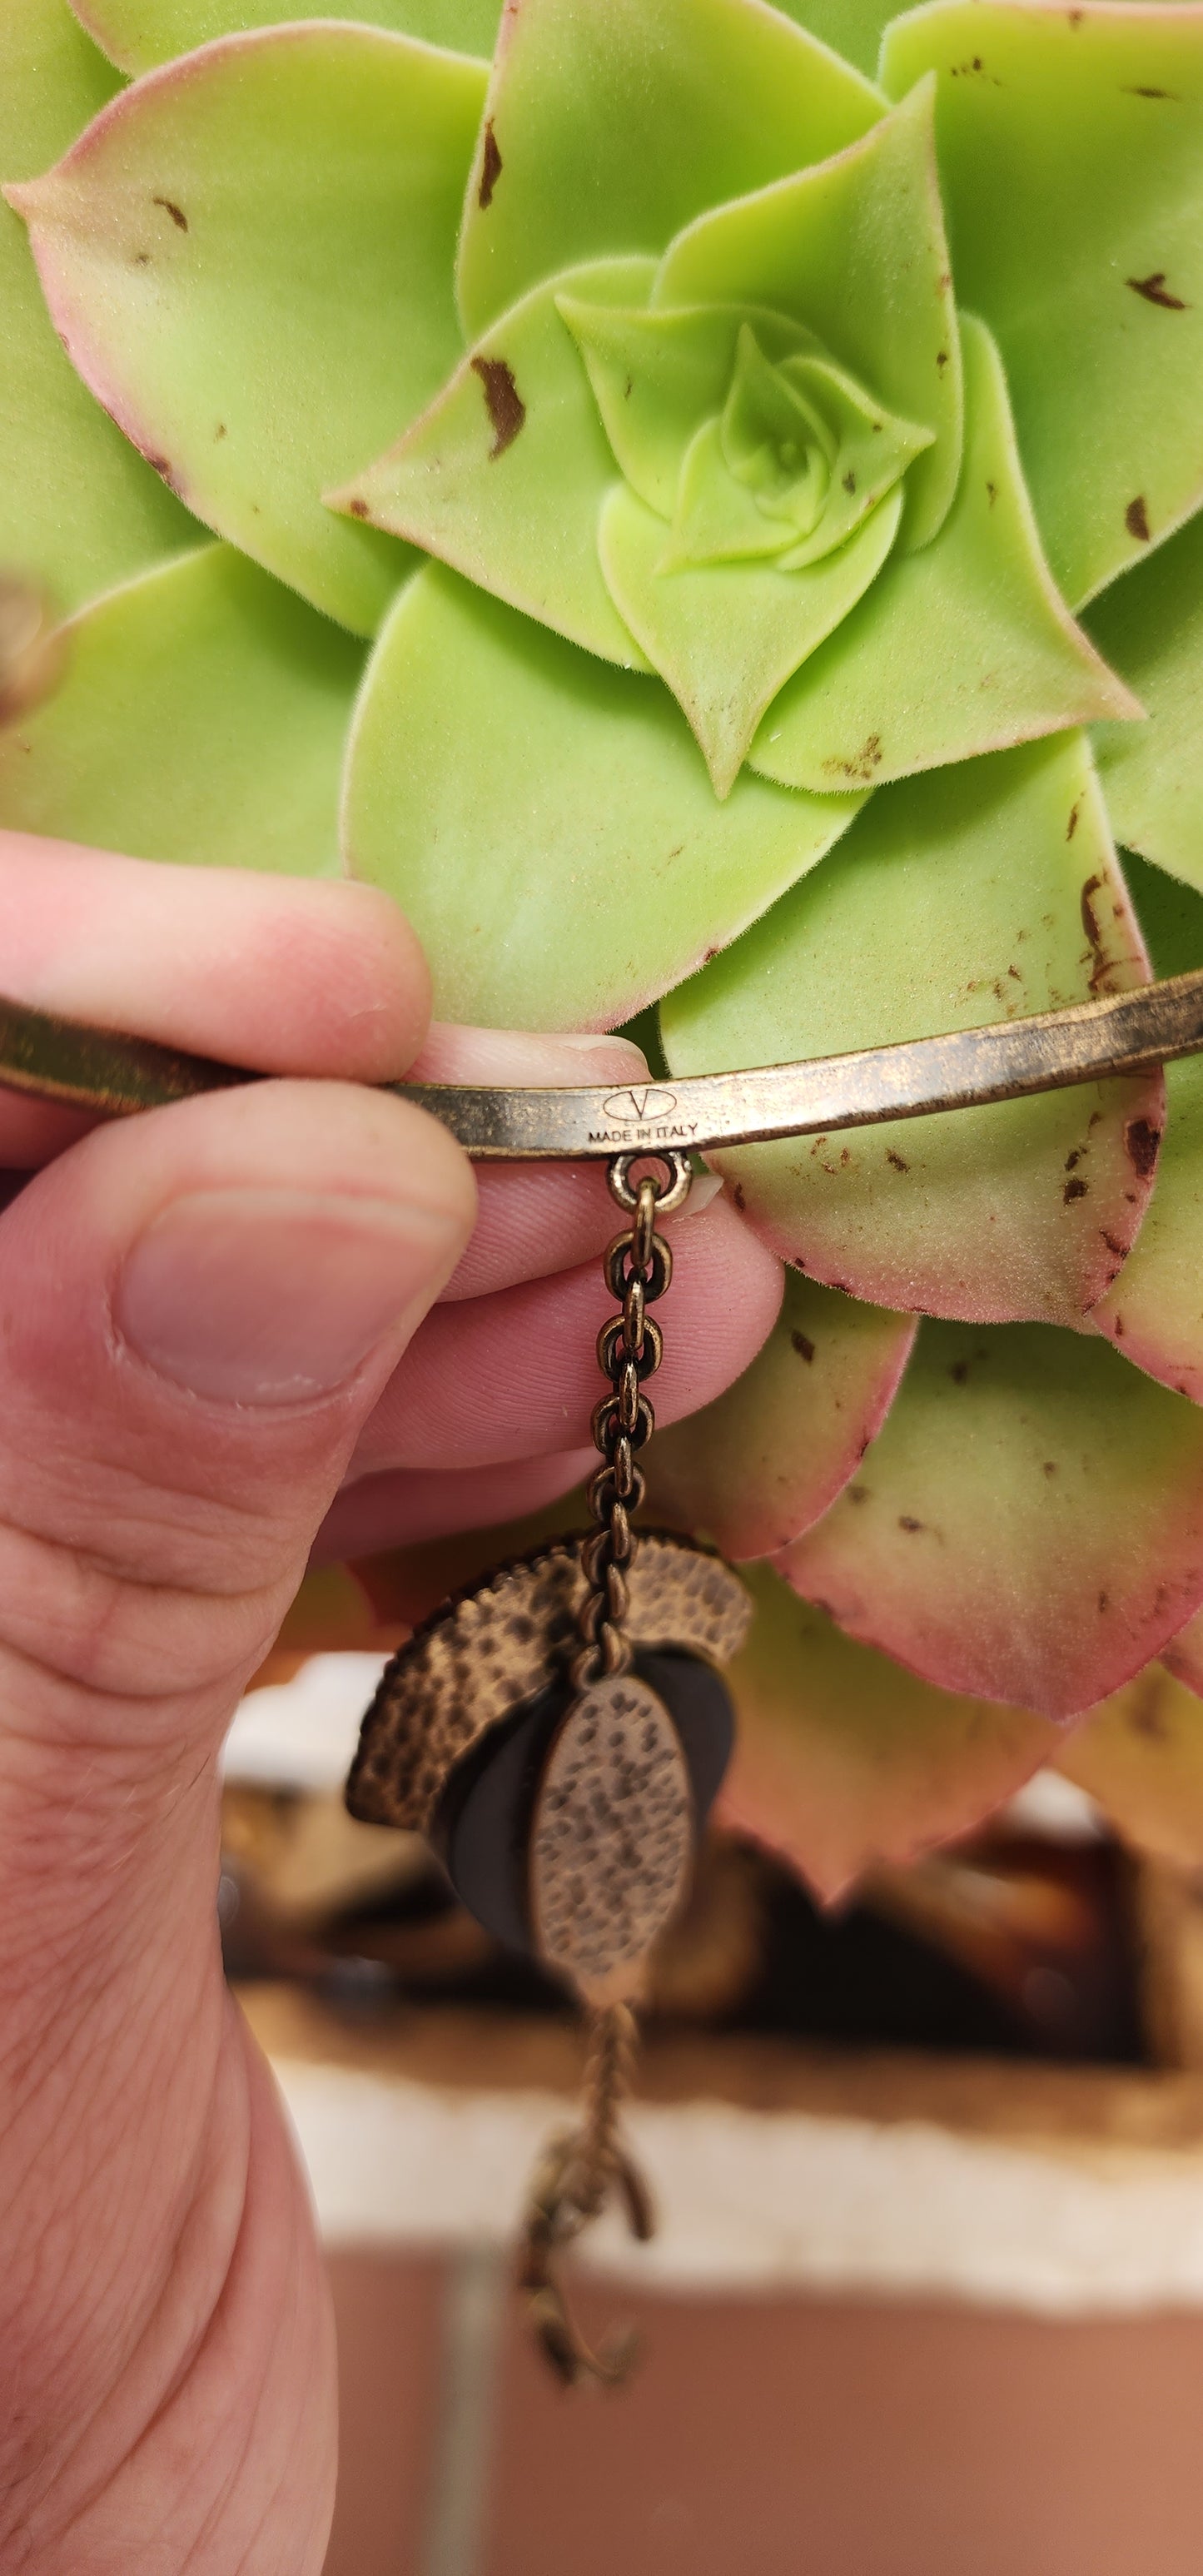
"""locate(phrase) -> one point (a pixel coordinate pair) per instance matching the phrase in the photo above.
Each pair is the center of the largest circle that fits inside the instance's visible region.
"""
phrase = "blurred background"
(927, 2293)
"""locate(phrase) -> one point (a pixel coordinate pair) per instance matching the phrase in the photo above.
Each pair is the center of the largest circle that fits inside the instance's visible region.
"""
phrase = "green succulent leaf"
(506, 473)
(841, 1760)
(1154, 1311)
(956, 651)
(79, 509)
(1140, 1757)
(856, 251)
(249, 256)
(725, 638)
(755, 1469)
(608, 128)
(1151, 626)
(982, 892)
(481, 738)
(1071, 154)
(1028, 1525)
(138, 34)
(202, 717)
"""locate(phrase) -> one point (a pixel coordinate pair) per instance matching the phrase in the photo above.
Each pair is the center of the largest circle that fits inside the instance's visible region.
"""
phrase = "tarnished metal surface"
(1124, 1033)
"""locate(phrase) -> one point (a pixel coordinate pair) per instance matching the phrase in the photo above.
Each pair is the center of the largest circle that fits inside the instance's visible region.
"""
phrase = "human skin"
(217, 1341)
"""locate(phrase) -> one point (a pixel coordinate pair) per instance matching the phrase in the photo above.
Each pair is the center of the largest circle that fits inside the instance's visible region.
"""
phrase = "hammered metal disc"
(611, 1837)
(485, 1652)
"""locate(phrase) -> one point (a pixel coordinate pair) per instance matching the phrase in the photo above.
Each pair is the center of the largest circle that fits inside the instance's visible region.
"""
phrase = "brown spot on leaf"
(1117, 1327)
(1119, 1249)
(504, 403)
(220, 430)
(858, 1493)
(1074, 1158)
(1074, 1189)
(959, 1372)
(141, 259)
(850, 482)
(163, 466)
(1104, 1601)
(907, 1521)
(490, 168)
(1136, 519)
(1137, 90)
(1103, 964)
(1050, 1466)
(358, 508)
(992, 489)
(177, 214)
(896, 1160)
(861, 766)
(1155, 291)
(1142, 1142)
(1072, 825)
(738, 1196)
(941, 359)
(804, 1346)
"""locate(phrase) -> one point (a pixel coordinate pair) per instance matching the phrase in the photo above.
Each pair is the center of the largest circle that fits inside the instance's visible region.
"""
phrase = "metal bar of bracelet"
(88, 1068)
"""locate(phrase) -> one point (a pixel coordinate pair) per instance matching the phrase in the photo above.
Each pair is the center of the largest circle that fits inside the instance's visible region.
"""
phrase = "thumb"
(197, 1311)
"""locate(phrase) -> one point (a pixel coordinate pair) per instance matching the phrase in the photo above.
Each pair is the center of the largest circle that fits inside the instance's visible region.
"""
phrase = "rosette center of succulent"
(752, 460)
(798, 457)
(740, 430)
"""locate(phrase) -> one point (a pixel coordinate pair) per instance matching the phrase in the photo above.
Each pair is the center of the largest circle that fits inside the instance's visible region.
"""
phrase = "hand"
(211, 1317)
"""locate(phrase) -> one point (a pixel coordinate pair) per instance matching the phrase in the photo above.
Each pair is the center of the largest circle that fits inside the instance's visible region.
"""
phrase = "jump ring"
(678, 1166)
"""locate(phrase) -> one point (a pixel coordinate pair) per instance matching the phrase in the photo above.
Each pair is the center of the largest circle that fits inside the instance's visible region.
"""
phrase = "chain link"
(630, 1347)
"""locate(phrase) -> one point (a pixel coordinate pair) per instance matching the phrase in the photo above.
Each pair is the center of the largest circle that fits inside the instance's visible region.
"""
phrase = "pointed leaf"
(1028, 1525)
(202, 717)
(78, 509)
(1154, 1311)
(1140, 1757)
(856, 250)
(725, 636)
(546, 820)
(506, 473)
(610, 123)
(1150, 626)
(140, 33)
(842, 1760)
(255, 377)
(753, 1470)
(1077, 231)
(1001, 660)
(980, 893)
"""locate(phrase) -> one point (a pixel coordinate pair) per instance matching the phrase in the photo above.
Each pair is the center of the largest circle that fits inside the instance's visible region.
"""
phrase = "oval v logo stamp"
(640, 1106)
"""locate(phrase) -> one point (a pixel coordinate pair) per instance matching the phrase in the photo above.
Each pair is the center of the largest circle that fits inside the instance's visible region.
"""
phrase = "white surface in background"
(302, 1734)
(1054, 1809)
(771, 2200)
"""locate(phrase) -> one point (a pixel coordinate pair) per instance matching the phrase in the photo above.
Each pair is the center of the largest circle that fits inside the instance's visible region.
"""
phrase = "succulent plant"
(706, 519)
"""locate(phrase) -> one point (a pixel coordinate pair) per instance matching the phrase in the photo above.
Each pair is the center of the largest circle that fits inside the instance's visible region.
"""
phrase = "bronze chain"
(638, 1270)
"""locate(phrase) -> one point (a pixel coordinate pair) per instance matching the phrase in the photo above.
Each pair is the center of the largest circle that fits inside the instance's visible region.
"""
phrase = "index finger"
(283, 974)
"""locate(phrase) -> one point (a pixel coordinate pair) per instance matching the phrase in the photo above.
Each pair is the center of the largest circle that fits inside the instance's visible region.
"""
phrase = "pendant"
(559, 1732)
